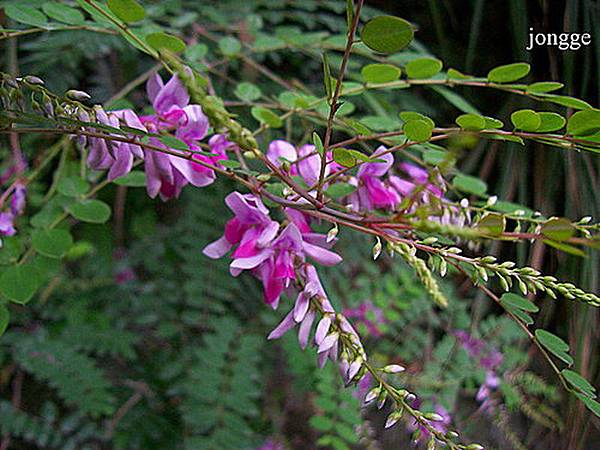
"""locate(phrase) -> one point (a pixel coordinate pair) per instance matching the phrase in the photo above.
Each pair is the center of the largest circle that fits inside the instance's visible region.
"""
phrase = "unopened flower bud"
(78, 95)
(36, 81)
(394, 368)
(434, 417)
(331, 234)
(377, 249)
(249, 155)
(491, 201)
(263, 177)
(393, 418)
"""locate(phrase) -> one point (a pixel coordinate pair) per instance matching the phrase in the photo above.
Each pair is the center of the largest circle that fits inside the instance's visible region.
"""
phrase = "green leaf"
(418, 130)
(164, 41)
(266, 116)
(423, 67)
(318, 143)
(412, 115)
(321, 423)
(565, 100)
(471, 122)
(174, 143)
(127, 10)
(578, 382)
(136, 178)
(558, 229)
(19, 283)
(93, 211)
(339, 190)
(434, 157)
(247, 92)
(521, 315)
(467, 183)
(328, 81)
(584, 123)
(63, 13)
(492, 224)
(73, 186)
(4, 318)
(195, 52)
(526, 120)
(591, 404)
(508, 73)
(491, 123)
(52, 243)
(516, 301)
(344, 157)
(230, 46)
(454, 74)
(566, 248)
(387, 34)
(550, 122)
(230, 164)
(554, 345)
(380, 73)
(543, 87)
(26, 14)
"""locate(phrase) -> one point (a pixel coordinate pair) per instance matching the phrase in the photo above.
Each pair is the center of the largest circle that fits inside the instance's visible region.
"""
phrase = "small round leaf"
(471, 122)
(73, 186)
(93, 211)
(418, 130)
(26, 14)
(19, 283)
(387, 34)
(52, 243)
(558, 229)
(380, 73)
(526, 120)
(508, 73)
(550, 122)
(584, 123)
(469, 184)
(63, 13)
(247, 92)
(423, 67)
(164, 41)
(127, 10)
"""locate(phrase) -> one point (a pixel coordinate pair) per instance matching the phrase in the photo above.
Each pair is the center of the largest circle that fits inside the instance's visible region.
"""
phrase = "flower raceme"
(166, 174)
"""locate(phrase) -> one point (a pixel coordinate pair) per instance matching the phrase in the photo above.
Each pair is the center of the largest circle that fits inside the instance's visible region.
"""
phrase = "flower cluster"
(279, 255)
(166, 172)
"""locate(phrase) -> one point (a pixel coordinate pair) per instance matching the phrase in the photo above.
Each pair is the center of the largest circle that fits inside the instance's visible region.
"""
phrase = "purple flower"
(304, 161)
(271, 255)
(7, 227)
(167, 174)
(372, 192)
(18, 199)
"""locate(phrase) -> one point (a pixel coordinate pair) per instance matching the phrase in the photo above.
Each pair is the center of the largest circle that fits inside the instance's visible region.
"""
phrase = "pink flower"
(167, 174)
(7, 227)
(270, 255)
(372, 192)
(304, 160)
(18, 199)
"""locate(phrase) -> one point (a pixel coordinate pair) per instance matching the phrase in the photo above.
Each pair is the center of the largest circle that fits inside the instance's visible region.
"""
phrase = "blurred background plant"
(142, 342)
